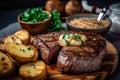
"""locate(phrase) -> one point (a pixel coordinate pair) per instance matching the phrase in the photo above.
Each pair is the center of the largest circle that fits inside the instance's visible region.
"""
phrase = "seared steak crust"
(75, 60)
(72, 59)
(48, 48)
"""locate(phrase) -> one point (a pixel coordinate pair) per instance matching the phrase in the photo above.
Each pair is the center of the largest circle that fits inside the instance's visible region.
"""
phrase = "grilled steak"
(47, 44)
(72, 59)
(78, 59)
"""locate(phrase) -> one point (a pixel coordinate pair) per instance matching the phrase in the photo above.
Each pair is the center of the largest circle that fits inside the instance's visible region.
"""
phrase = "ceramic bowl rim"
(68, 21)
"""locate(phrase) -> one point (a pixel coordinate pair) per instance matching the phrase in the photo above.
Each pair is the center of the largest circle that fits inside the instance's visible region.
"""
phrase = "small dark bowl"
(36, 27)
(100, 31)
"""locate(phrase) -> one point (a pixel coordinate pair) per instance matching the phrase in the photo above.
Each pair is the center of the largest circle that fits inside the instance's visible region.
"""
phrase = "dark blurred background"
(15, 4)
(10, 9)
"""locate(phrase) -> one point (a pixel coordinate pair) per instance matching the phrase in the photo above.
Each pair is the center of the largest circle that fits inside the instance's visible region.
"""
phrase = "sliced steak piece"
(47, 44)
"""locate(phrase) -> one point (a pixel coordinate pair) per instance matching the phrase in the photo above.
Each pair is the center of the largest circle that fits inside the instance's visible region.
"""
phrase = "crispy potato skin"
(8, 39)
(35, 58)
(23, 35)
(33, 71)
(20, 52)
(6, 65)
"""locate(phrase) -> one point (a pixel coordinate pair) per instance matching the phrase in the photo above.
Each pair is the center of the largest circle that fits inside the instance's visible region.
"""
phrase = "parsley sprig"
(34, 15)
(56, 24)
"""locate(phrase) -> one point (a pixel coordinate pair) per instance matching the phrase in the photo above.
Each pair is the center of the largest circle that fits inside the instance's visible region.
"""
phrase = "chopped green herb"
(68, 43)
(66, 35)
(28, 49)
(34, 15)
(77, 37)
(22, 50)
(32, 65)
(1, 42)
(17, 43)
(56, 24)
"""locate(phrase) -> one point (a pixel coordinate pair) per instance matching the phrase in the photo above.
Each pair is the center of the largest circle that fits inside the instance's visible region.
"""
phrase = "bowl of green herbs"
(35, 20)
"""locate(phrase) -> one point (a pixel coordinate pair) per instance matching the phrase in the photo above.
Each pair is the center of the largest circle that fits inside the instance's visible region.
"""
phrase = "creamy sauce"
(88, 23)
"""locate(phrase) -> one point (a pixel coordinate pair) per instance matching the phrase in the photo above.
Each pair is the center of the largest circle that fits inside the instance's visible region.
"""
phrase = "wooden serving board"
(108, 67)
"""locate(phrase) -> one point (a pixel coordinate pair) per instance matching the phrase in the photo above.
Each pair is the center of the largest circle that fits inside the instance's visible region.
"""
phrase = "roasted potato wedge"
(8, 39)
(33, 71)
(12, 38)
(14, 61)
(20, 52)
(23, 35)
(35, 58)
(6, 65)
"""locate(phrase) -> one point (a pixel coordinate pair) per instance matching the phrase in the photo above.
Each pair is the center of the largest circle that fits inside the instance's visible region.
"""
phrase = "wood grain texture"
(108, 67)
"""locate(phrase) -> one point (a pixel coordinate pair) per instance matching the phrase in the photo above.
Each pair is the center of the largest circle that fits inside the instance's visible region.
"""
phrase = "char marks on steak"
(72, 59)
(47, 44)
(78, 59)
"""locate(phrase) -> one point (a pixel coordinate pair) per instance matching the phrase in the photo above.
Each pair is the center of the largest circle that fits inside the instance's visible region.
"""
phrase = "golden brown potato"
(35, 58)
(12, 38)
(23, 35)
(20, 52)
(8, 39)
(2, 45)
(14, 61)
(33, 71)
(6, 65)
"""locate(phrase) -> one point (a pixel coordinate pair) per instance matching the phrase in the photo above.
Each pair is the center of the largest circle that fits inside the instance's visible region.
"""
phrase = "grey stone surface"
(10, 29)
